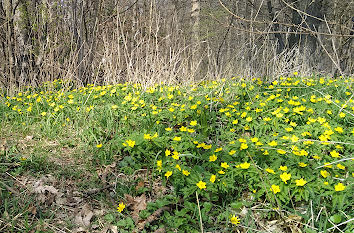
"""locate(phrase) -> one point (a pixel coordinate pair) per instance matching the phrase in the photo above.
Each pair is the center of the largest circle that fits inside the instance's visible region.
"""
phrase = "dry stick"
(334, 49)
(312, 217)
(326, 51)
(9, 188)
(335, 226)
(312, 16)
(200, 214)
(335, 162)
(280, 23)
(319, 213)
(333, 102)
(345, 104)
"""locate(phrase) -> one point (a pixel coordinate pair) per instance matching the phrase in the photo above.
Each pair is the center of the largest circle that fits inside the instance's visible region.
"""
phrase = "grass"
(275, 156)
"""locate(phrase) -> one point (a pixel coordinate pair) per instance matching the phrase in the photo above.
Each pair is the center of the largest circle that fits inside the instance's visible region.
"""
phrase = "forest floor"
(216, 156)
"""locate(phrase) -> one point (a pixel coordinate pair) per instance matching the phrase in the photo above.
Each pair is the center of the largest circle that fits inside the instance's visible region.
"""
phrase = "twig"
(334, 162)
(96, 190)
(200, 214)
(336, 226)
(9, 188)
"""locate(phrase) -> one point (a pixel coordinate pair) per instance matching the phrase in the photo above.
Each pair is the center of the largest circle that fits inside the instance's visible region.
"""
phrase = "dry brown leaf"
(83, 218)
(160, 230)
(140, 185)
(137, 204)
(46, 193)
(114, 229)
(108, 169)
(3, 145)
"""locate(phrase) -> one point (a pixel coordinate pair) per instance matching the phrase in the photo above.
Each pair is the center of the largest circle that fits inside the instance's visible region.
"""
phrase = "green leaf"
(336, 218)
(236, 205)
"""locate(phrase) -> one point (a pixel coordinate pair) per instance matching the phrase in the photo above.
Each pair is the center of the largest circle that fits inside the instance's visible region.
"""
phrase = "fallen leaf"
(114, 229)
(83, 218)
(137, 204)
(140, 185)
(103, 174)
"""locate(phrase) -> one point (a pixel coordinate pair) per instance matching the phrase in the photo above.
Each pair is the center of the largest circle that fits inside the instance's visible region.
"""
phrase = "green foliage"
(233, 143)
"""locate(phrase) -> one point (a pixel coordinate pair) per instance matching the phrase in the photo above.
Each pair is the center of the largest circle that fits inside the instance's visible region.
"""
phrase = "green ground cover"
(216, 156)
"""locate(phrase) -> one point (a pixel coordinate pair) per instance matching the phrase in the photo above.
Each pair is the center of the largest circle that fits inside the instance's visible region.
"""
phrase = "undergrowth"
(225, 155)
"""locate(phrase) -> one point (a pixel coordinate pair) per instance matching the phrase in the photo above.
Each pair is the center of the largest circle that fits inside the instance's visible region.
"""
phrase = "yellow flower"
(283, 168)
(159, 163)
(213, 158)
(167, 152)
(242, 140)
(207, 147)
(269, 170)
(285, 177)
(147, 137)
(193, 123)
(212, 178)
(190, 130)
(294, 138)
(221, 172)
(334, 154)
(185, 172)
(201, 185)
(234, 122)
(275, 189)
(168, 129)
(178, 167)
(300, 182)
(267, 119)
(243, 146)
(249, 119)
(224, 165)
(177, 139)
(218, 149)
(120, 207)
(130, 143)
(289, 129)
(339, 187)
(281, 151)
(99, 145)
(301, 164)
(272, 143)
(342, 115)
(245, 165)
(175, 155)
(168, 174)
(235, 220)
(232, 152)
(340, 166)
(339, 129)
(254, 140)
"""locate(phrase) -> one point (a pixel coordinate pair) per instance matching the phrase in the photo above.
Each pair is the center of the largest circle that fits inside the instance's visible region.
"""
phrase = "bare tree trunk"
(195, 21)
(281, 45)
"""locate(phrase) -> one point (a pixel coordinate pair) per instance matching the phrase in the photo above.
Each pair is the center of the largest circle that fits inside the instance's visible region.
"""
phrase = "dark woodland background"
(111, 41)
